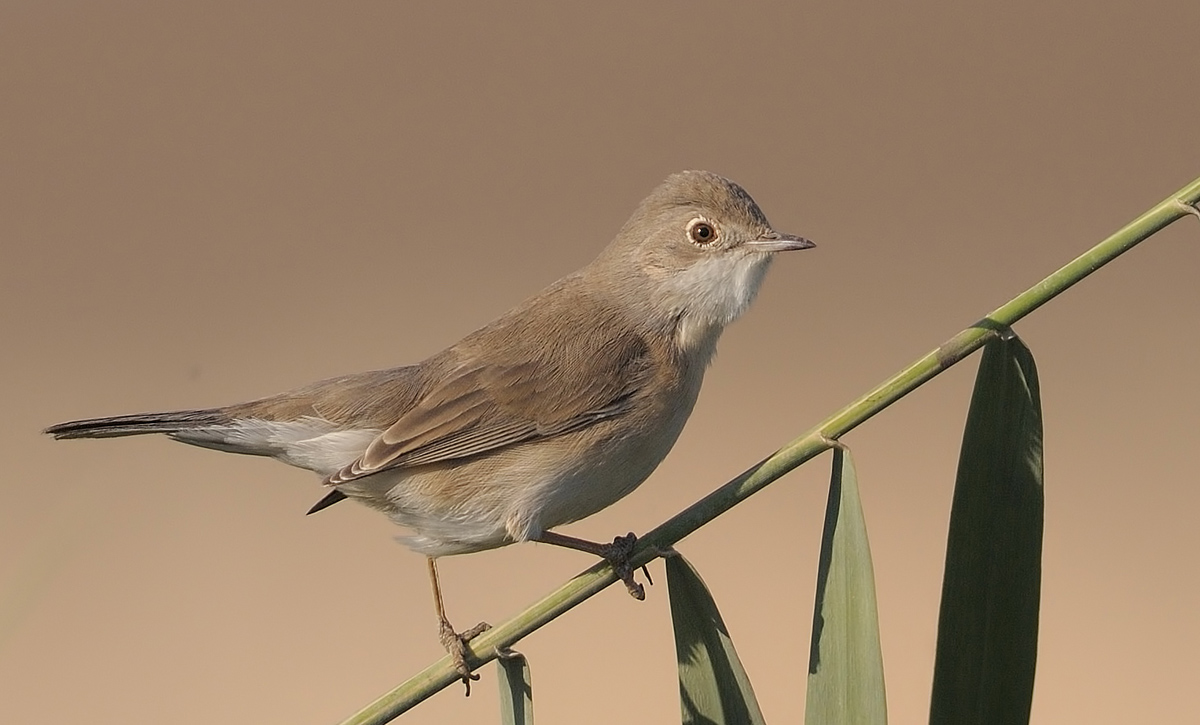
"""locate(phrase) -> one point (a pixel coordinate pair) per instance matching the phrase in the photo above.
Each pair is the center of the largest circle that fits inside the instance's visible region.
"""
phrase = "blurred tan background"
(207, 203)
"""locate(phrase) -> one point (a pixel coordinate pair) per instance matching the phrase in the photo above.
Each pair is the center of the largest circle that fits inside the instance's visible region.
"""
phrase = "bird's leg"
(454, 642)
(616, 554)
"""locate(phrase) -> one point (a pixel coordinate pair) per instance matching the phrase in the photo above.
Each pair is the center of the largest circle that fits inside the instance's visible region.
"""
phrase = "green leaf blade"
(516, 691)
(988, 625)
(845, 671)
(713, 686)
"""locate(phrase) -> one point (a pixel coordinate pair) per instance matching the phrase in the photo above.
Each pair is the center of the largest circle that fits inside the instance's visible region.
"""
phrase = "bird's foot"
(617, 555)
(456, 646)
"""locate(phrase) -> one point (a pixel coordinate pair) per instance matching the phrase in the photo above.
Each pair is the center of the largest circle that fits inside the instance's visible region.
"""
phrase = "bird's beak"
(776, 242)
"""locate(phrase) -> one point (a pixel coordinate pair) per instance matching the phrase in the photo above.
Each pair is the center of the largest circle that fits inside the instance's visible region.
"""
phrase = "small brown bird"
(549, 414)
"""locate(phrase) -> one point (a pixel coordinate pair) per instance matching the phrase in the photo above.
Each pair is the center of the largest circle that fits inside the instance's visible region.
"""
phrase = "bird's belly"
(580, 493)
(518, 492)
(610, 469)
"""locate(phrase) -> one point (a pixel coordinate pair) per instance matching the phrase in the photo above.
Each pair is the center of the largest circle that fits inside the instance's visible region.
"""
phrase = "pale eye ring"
(701, 232)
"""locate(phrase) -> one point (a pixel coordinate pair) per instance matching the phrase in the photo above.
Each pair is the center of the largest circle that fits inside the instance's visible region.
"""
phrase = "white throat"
(713, 293)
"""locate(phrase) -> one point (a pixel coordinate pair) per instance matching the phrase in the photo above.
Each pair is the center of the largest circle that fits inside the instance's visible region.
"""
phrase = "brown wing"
(531, 390)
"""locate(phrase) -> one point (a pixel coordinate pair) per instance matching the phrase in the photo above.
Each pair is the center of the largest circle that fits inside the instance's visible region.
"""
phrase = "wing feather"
(530, 392)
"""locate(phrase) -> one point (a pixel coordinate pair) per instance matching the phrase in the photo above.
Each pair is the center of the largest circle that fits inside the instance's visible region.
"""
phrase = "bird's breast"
(608, 461)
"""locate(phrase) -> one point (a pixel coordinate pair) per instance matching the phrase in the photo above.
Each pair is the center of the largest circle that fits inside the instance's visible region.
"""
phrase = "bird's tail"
(138, 424)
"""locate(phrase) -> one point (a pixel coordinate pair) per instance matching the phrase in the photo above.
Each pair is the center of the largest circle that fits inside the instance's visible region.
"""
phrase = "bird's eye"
(701, 232)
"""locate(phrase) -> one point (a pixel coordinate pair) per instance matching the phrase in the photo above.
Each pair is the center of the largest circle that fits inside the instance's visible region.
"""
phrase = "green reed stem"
(440, 674)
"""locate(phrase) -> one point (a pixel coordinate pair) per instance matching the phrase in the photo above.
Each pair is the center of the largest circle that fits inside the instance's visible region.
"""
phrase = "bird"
(550, 413)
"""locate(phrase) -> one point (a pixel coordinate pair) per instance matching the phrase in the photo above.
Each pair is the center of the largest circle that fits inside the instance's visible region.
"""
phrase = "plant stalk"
(440, 674)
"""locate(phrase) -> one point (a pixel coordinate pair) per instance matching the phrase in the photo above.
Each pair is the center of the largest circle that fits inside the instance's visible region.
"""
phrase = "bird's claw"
(617, 555)
(455, 644)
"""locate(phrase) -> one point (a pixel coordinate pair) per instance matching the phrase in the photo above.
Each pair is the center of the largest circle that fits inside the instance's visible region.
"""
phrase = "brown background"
(206, 203)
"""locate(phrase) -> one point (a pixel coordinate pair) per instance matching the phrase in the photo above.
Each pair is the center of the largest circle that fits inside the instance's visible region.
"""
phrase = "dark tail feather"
(330, 499)
(131, 425)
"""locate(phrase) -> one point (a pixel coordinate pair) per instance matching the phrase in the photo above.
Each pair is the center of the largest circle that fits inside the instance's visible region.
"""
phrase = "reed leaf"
(988, 627)
(516, 691)
(845, 666)
(713, 686)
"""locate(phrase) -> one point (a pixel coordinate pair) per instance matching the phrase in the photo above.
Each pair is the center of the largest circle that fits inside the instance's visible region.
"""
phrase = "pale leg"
(455, 643)
(616, 554)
